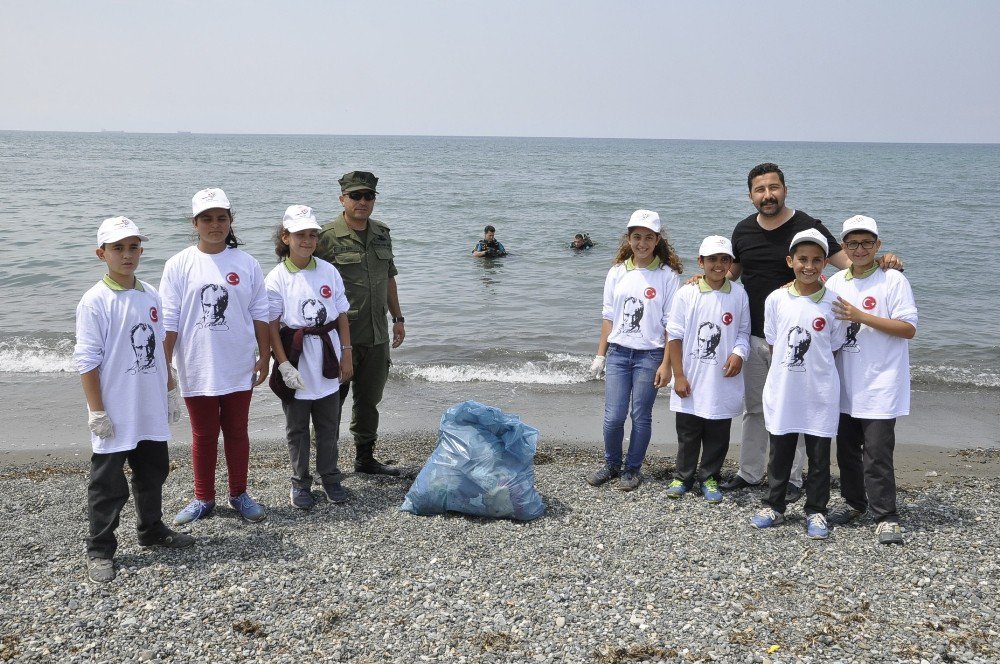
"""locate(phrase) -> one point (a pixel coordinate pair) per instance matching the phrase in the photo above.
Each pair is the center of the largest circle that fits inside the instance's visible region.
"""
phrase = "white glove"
(173, 405)
(597, 366)
(100, 424)
(291, 376)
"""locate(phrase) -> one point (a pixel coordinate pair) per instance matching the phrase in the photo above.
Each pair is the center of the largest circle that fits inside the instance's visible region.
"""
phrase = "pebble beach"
(603, 576)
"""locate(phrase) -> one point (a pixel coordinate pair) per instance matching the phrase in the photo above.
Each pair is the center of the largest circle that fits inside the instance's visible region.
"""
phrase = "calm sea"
(532, 317)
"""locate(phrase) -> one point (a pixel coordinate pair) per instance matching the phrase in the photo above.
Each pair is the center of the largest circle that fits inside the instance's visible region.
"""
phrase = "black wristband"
(398, 320)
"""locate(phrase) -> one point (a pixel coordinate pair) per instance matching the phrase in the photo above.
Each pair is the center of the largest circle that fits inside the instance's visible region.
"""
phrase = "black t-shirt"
(762, 254)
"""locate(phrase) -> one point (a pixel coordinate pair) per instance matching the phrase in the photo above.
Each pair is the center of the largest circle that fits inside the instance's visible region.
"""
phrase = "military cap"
(358, 181)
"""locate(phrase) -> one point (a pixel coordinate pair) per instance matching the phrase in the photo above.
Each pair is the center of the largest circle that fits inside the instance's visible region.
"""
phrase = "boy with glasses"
(874, 369)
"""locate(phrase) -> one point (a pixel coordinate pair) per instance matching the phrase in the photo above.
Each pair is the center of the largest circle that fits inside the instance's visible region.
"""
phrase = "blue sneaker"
(766, 518)
(248, 508)
(816, 526)
(676, 489)
(302, 498)
(710, 489)
(196, 509)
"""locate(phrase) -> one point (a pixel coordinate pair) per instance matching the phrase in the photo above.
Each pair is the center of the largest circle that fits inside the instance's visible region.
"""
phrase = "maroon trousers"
(229, 413)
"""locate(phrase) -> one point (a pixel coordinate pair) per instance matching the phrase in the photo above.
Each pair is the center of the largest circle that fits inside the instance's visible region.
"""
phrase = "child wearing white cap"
(708, 338)
(131, 398)
(802, 390)
(638, 292)
(874, 370)
(215, 313)
(310, 336)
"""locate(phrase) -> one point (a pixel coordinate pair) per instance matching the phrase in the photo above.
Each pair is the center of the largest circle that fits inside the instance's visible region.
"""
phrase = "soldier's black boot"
(367, 463)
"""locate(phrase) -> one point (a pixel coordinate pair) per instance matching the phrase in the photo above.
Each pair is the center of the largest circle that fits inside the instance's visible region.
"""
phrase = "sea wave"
(555, 369)
(22, 354)
(36, 355)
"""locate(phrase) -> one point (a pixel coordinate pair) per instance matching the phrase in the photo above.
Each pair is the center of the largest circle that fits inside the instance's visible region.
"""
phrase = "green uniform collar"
(293, 268)
(653, 265)
(815, 297)
(867, 273)
(703, 287)
(115, 286)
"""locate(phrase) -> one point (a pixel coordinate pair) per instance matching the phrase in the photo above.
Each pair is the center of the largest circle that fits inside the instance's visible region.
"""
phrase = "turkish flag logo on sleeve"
(233, 279)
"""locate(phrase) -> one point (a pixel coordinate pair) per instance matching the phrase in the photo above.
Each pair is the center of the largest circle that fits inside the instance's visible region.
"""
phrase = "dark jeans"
(371, 371)
(325, 415)
(867, 475)
(697, 434)
(107, 494)
(779, 468)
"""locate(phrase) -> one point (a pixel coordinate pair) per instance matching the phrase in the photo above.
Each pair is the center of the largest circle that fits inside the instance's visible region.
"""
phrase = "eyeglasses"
(358, 195)
(854, 244)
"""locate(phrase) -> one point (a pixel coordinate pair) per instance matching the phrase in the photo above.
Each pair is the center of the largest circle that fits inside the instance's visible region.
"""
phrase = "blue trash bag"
(483, 465)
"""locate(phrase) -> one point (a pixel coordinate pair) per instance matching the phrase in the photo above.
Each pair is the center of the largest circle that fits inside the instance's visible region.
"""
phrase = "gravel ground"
(604, 576)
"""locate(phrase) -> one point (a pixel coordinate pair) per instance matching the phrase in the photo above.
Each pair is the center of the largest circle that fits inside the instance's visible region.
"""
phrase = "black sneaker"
(101, 570)
(372, 466)
(735, 483)
(170, 540)
(301, 498)
(843, 514)
(602, 475)
(630, 480)
(335, 493)
(889, 532)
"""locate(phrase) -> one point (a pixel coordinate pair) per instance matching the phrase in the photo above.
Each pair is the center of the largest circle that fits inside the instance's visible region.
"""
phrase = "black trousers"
(698, 435)
(107, 494)
(867, 474)
(779, 468)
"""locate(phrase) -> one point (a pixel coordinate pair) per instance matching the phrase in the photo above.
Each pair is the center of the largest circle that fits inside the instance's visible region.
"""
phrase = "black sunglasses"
(358, 195)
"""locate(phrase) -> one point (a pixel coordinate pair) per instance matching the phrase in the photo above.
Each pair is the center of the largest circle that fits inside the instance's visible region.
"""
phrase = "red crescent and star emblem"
(650, 293)
(153, 314)
(869, 303)
(233, 279)
(819, 324)
(727, 318)
(325, 291)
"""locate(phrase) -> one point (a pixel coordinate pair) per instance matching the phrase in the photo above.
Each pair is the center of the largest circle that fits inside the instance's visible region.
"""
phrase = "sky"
(882, 71)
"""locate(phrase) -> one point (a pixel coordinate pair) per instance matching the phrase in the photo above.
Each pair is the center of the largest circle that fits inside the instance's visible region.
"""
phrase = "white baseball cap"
(859, 222)
(716, 244)
(299, 218)
(117, 228)
(207, 199)
(810, 235)
(645, 219)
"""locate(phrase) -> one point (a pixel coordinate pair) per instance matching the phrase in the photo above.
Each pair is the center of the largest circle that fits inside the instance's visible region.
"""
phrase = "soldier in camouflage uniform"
(361, 249)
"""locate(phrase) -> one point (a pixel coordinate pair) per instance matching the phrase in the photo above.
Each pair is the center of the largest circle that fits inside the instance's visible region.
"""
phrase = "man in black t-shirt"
(760, 243)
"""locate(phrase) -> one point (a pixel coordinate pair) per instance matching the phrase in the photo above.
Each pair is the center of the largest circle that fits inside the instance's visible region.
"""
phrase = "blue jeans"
(629, 377)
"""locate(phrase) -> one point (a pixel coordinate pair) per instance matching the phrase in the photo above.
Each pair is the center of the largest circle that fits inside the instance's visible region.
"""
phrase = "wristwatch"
(398, 320)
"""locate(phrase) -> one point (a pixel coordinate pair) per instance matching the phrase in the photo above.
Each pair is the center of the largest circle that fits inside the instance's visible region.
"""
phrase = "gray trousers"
(867, 475)
(754, 448)
(325, 415)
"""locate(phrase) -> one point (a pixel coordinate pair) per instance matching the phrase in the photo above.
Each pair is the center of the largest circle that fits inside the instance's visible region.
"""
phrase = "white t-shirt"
(802, 389)
(875, 366)
(120, 332)
(637, 302)
(712, 324)
(211, 302)
(309, 298)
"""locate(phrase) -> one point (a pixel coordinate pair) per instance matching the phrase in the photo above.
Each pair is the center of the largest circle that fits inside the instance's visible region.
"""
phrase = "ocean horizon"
(530, 318)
